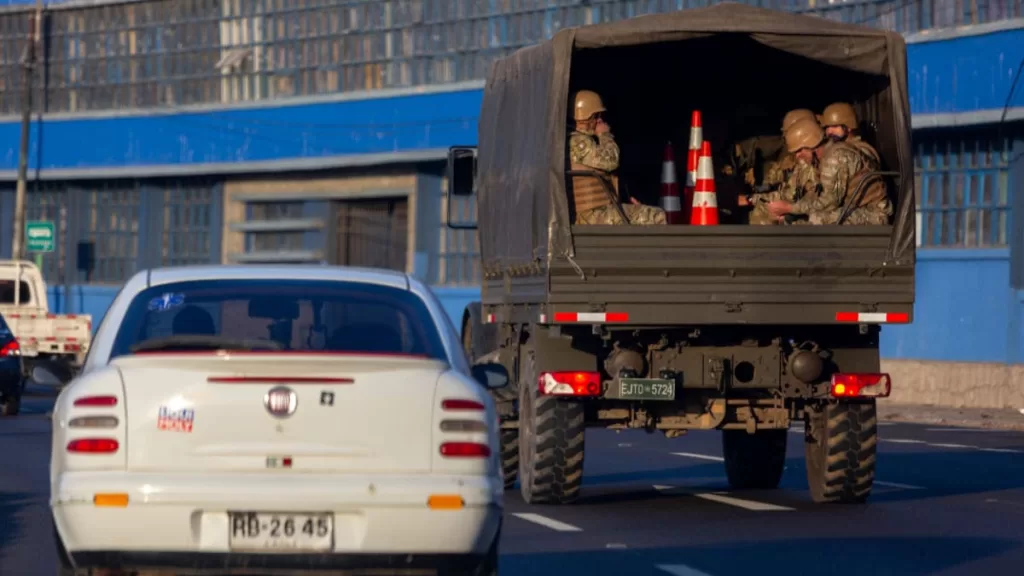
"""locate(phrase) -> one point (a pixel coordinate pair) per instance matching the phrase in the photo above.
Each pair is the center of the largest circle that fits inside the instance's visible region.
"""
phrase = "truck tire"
(507, 395)
(551, 434)
(754, 461)
(10, 406)
(840, 451)
(510, 456)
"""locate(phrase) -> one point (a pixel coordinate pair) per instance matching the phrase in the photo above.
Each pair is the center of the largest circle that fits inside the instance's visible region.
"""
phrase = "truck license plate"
(281, 531)
(647, 389)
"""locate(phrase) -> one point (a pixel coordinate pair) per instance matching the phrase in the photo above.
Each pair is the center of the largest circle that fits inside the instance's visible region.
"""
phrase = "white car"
(278, 419)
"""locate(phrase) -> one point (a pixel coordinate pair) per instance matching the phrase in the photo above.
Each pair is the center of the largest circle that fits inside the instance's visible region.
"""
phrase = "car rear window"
(290, 315)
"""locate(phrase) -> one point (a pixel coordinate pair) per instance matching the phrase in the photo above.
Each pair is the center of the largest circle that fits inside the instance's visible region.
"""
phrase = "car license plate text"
(647, 389)
(280, 531)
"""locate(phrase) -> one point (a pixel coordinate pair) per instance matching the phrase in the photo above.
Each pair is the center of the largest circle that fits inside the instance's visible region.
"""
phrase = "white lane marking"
(1001, 450)
(680, 570)
(548, 522)
(615, 546)
(722, 498)
(964, 430)
(953, 446)
(898, 485)
(699, 456)
(745, 504)
(902, 441)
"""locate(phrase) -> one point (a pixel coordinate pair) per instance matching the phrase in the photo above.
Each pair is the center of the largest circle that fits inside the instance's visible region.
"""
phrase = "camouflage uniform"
(599, 152)
(839, 165)
(800, 181)
(602, 153)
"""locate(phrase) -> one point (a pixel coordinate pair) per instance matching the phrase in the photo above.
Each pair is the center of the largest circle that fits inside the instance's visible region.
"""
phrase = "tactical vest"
(589, 192)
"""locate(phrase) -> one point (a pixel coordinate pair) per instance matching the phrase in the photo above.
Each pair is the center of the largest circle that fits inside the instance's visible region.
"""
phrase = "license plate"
(647, 389)
(280, 531)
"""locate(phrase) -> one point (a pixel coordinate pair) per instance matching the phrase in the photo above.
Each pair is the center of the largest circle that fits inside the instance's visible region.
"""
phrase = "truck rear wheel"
(510, 456)
(551, 434)
(840, 451)
(754, 461)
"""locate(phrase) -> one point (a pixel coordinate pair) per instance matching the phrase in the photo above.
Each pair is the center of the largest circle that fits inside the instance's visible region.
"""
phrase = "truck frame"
(738, 328)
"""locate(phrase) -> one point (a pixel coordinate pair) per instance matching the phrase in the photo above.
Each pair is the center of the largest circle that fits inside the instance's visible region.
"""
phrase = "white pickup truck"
(61, 340)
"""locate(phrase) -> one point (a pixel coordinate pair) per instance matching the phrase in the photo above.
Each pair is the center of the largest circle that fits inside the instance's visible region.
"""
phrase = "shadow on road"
(10, 524)
(938, 473)
(853, 556)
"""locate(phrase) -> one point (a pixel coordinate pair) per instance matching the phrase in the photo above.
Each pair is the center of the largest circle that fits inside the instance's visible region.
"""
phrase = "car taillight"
(453, 404)
(93, 446)
(861, 385)
(465, 450)
(463, 426)
(12, 348)
(93, 422)
(570, 383)
(95, 401)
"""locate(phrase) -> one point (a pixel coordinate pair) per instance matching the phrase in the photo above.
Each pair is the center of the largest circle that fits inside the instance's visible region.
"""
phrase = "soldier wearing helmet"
(778, 172)
(840, 167)
(592, 147)
(801, 179)
(840, 122)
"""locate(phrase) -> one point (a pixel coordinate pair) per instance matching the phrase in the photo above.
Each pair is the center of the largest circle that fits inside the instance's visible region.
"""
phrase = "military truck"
(739, 328)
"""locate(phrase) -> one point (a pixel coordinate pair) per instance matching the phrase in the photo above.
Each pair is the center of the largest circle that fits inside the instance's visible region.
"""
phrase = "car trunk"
(207, 412)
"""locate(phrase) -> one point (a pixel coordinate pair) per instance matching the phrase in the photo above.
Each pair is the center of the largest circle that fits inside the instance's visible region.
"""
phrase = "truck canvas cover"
(524, 206)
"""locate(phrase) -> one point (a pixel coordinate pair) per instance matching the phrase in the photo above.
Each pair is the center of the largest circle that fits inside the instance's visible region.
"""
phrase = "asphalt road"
(947, 501)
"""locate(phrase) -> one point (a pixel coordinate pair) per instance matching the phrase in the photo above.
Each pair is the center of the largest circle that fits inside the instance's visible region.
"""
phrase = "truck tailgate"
(51, 333)
(733, 275)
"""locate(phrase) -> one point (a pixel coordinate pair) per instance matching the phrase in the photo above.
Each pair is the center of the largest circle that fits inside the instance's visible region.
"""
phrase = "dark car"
(12, 382)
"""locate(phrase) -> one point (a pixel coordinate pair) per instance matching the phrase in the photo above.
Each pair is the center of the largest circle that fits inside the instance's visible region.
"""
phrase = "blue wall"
(965, 311)
(965, 74)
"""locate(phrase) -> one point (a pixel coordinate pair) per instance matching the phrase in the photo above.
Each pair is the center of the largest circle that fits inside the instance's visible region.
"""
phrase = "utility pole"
(29, 63)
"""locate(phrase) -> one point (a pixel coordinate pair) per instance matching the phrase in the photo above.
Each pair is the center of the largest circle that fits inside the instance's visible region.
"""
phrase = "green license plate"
(647, 389)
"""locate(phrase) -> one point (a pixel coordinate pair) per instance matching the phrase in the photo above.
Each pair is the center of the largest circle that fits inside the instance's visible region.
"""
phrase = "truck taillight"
(96, 401)
(93, 446)
(861, 385)
(12, 348)
(570, 383)
(465, 450)
(456, 404)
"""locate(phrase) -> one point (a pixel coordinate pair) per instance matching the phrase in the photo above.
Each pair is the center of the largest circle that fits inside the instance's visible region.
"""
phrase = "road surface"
(947, 501)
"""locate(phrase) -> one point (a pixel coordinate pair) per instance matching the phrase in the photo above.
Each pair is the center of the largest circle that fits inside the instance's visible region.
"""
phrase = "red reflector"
(96, 401)
(873, 317)
(452, 404)
(591, 317)
(277, 380)
(465, 450)
(93, 445)
(861, 385)
(569, 383)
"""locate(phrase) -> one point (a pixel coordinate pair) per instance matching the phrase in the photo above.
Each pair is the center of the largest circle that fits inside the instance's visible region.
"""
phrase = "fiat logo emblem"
(281, 401)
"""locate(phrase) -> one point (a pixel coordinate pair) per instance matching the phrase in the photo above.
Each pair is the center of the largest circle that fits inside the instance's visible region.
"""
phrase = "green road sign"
(40, 236)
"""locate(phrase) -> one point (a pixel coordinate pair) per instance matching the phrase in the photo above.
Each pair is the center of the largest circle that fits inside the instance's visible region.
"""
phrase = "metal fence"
(964, 193)
(132, 224)
(169, 53)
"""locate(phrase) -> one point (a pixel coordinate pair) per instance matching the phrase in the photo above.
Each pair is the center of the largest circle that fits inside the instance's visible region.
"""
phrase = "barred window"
(169, 53)
(963, 188)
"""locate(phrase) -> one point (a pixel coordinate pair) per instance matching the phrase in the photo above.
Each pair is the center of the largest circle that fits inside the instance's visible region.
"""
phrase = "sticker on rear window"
(176, 420)
(166, 302)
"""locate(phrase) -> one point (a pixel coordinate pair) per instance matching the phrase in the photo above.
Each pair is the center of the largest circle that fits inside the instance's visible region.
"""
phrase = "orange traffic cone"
(696, 137)
(705, 200)
(670, 201)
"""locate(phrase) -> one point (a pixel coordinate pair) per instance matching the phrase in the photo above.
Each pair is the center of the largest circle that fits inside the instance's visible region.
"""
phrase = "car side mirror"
(461, 170)
(491, 375)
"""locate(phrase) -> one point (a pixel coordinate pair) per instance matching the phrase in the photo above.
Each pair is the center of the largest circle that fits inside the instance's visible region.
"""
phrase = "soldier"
(777, 172)
(592, 147)
(798, 182)
(841, 125)
(841, 166)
